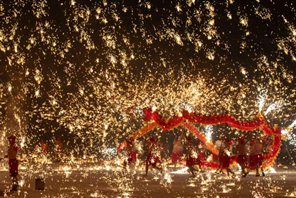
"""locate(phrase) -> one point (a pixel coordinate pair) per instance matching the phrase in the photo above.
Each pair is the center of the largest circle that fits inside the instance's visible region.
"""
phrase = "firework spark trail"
(292, 125)
(289, 132)
(84, 66)
(261, 102)
(272, 107)
(209, 132)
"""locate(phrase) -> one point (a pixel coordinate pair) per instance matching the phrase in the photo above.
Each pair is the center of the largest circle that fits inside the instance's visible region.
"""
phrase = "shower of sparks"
(209, 132)
(288, 132)
(292, 125)
(271, 170)
(80, 75)
(261, 102)
(181, 171)
(23, 141)
(272, 107)
(75, 75)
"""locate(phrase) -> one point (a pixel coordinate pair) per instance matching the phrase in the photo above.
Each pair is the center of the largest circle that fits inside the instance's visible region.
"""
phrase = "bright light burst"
(209, 132)
(272, 107)
(292, 125)
(289, 132)
(261, 102)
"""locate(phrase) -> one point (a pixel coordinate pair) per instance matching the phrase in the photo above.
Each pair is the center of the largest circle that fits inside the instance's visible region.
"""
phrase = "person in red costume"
(194, 156)
(224, 157)
(201, 156)
(177, 150)
(256, 156)
(153, 158)
(131, 153)
(242, 158)
(12, 161)
(190, 160)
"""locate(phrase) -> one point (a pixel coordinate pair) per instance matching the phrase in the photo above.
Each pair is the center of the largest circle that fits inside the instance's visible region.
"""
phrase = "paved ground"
(109, 181)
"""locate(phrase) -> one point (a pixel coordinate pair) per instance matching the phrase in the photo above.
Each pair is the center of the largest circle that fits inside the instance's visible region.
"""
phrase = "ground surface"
(90, 180)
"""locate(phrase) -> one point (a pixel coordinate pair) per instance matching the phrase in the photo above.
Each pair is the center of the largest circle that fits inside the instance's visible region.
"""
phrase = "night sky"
(81, 71)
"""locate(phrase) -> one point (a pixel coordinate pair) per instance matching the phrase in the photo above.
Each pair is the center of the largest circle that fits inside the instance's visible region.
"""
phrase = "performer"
(219, 144)
(131, 153)
(256, 155)
(177, 150)
(224, 157)
(153, 158)
(193, 157)
(242, 157)
(190, 161)
(13, 162)
(257, 152)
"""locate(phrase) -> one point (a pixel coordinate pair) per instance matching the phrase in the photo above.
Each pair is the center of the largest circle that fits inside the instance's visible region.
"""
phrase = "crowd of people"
(248, 153)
